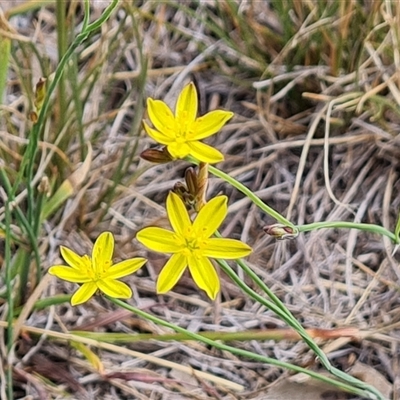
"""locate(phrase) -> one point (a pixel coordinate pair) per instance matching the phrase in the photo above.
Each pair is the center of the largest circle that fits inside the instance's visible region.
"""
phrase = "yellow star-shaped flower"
(97, 272)
(182, 132)
(191, 244)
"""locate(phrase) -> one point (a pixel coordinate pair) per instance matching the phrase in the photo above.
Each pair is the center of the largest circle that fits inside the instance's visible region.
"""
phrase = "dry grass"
(316, 135)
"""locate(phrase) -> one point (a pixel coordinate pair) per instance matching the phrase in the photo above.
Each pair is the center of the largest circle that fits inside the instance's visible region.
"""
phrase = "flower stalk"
(363, 389)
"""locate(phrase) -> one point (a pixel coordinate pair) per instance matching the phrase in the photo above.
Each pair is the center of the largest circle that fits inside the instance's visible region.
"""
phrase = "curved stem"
(380, 230)
(240, 352)
(242, 188)
(280, 309)
(297, 228)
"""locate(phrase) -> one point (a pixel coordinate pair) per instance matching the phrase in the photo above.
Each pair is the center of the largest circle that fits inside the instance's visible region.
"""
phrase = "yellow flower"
(182, 132)
(191, 244)
(97, 272)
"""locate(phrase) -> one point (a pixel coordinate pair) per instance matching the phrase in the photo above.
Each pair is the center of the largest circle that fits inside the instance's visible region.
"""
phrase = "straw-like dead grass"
(318, 141)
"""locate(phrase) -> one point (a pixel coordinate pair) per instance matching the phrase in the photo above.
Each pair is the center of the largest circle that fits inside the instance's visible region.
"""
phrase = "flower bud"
(156, 156)
(191, 180)
(280, 231)
(181, 190)
(40, 93)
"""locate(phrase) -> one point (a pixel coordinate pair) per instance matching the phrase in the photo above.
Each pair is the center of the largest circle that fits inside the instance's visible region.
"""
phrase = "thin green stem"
(62, 48)
(246, 191)
(298, 228)
(287, 316)
(86, 17)
(397, 229)
(76, 94)
(244, 353)
(28, 161)
(29, 230)
(253, 197)
(380, 230)
(10, 294)
(29, 156)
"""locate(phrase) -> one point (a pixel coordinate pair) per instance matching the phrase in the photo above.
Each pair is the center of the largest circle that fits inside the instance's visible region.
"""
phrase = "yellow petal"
(156, 135)
(186, 105)
(116, 289)
(210, 123)
(211, 216)
(205, 153)
(178, 150)
(84, 293)
(69, 274)
(74, 260)
(158, 239)
(125, 268)
(162, 117)
(204, 274)
(171, 273)
(229, 249)
(177, 214)
(102, 253)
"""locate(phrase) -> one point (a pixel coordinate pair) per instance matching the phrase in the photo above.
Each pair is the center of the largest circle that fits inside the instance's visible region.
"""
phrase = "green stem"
(246, 191)
(62, 48)
(299, 228)
(28, 160)
(244, 353)
(10, 299)
(349, 225)
(29, 230)
(397, 229)
(280, 309)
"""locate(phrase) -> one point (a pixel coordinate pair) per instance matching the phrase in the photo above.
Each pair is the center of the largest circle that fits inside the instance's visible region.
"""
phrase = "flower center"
(193, 243)
(99, 273)
(184, 132)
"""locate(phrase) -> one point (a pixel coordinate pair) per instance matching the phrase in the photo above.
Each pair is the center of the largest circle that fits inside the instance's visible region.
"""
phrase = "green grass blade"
(5, 50)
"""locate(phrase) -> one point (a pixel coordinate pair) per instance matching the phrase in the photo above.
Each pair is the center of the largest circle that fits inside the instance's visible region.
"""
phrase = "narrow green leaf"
(397, 229)
(5, 50)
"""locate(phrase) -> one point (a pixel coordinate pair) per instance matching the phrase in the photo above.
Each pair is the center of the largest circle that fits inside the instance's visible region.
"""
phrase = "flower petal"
(177, 214)
(75, 260)
(125, 267)
(158, 239)
(178, 150)
(116, 289)
(157, 136)
(210, 123)
(229, 249)
(205, 275)
(204, 152)
(186, 105)
(171, 273)
(210, 216)
(162, 117)
(102, 252)
(84, 293)
(69, 274)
